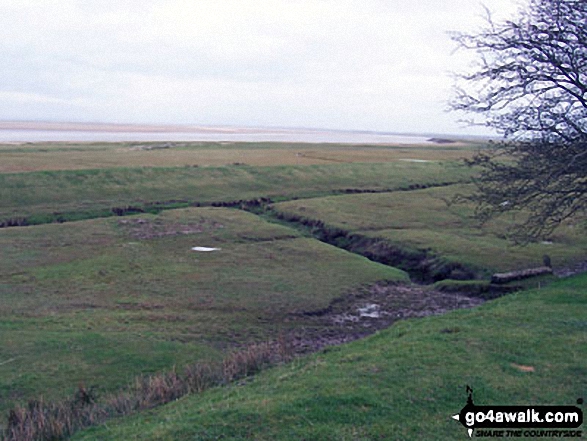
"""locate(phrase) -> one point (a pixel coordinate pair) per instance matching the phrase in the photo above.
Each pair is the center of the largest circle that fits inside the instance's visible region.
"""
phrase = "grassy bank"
(97, 302)
(94, 193)
(422, 220)
(403, 383)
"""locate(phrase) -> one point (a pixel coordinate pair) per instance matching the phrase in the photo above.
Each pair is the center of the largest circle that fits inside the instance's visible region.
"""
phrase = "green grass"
(148, 146)
(46, 195)
(60, 156)
(422, 220)
(99, 301)
(403, 383)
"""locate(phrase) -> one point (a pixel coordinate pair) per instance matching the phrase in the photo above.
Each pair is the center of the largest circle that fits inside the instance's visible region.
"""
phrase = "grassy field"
(423, 220)
(403, 383)
(117, 291)
(92, 193)
(98, 301)
(59, 156)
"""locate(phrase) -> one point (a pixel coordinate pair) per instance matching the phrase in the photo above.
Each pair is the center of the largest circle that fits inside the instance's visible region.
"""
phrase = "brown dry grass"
(41, 420)
(22, 160)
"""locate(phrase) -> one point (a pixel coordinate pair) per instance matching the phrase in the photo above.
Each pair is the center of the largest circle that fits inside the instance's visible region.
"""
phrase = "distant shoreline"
(129, 128)
(39, 131)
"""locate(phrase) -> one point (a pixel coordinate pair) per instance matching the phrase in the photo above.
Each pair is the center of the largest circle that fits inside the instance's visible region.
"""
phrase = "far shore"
(134, 128)
(44, 131)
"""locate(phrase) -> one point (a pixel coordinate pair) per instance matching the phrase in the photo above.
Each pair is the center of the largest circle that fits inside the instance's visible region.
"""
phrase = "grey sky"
(361, 65)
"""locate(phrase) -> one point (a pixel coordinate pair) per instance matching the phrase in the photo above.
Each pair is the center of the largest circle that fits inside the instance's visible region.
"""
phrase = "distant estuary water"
(53, 132)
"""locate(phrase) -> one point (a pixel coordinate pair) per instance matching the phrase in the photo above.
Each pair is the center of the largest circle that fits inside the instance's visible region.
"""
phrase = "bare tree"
(530, 84)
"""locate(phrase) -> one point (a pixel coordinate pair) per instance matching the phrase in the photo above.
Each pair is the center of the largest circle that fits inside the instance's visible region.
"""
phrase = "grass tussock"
(44, 421)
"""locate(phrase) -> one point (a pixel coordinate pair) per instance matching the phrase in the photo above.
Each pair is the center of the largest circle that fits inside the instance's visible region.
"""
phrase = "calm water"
(289, 136)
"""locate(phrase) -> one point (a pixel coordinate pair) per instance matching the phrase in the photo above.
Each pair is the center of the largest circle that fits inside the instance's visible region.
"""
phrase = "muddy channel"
(369, 310)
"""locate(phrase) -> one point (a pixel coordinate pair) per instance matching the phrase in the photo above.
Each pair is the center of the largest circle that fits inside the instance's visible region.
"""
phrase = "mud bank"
(368, 310)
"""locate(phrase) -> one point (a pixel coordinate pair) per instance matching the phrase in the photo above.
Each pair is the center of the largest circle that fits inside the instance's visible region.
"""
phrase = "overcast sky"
(360, 65)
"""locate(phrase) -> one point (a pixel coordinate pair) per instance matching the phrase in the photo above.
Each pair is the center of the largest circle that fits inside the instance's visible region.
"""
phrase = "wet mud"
(369, 310)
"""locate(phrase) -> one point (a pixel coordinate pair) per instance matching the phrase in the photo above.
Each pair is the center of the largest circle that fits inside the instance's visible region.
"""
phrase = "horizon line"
(130, 127)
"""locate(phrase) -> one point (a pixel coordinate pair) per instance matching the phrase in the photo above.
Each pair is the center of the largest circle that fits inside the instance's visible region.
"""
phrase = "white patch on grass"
(205, 249)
